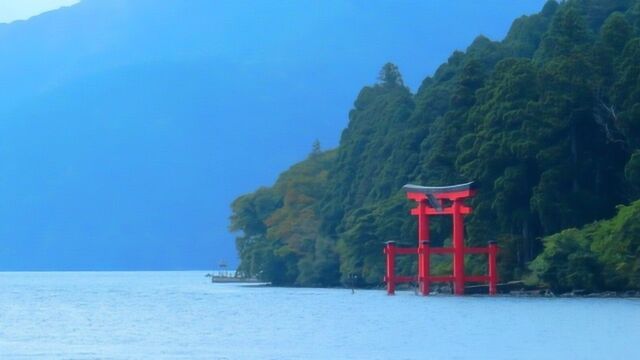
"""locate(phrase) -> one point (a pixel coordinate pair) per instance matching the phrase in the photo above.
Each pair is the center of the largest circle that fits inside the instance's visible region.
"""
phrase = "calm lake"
(181, 315)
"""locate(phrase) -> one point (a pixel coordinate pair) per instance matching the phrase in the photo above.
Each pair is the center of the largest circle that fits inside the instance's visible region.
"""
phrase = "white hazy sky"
(11, 10)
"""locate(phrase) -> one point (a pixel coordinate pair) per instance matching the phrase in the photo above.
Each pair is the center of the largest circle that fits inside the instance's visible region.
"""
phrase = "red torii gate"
(441, 200)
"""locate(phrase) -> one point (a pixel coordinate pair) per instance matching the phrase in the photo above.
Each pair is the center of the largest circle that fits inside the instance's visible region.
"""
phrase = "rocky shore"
(519, 289)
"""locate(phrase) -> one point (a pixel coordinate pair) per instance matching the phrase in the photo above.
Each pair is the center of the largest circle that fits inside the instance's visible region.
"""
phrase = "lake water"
(181, 315)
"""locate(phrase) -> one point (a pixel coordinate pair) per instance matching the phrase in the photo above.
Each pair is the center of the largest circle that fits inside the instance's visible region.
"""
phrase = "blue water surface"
(181, 315)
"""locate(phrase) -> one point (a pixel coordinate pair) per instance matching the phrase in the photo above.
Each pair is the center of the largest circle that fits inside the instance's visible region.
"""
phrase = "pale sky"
(11, 10)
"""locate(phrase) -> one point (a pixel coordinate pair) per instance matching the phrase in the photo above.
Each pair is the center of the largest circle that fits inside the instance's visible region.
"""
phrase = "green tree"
(601, 256)
(390, 76)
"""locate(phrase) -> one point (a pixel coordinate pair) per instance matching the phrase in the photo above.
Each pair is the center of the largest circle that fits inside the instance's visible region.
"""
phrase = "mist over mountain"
(127, 127)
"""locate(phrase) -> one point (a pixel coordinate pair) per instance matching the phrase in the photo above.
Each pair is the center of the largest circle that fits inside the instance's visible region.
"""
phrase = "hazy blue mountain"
(128, 126)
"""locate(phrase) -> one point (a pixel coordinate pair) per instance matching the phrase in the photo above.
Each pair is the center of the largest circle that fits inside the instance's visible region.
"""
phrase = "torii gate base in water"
(442, 200)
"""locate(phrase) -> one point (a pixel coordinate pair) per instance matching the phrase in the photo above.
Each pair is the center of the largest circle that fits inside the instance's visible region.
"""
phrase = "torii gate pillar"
(458, 249)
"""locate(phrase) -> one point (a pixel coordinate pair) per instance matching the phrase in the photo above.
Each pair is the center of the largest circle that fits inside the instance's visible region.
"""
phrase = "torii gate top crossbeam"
(434, 193)
(466, 187)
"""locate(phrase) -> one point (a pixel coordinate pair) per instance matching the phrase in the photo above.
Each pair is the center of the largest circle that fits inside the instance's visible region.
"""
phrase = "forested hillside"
(547, 121)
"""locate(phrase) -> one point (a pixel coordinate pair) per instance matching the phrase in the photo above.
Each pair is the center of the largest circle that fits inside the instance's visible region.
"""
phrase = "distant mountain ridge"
(128, 126)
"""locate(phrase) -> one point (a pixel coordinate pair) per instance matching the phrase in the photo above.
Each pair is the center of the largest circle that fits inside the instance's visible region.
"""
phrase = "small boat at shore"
(231, 276)
(233, 279)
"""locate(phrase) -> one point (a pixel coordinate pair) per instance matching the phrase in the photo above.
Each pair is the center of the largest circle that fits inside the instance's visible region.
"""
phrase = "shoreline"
(523, 292)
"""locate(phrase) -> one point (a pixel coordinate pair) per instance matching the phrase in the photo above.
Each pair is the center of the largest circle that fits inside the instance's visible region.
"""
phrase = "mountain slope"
(129, 126)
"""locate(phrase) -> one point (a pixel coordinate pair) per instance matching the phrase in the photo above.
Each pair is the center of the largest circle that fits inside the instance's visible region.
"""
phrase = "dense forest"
(547, 121)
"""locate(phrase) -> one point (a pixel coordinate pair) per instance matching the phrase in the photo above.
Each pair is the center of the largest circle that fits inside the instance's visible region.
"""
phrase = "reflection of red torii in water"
(442, 200)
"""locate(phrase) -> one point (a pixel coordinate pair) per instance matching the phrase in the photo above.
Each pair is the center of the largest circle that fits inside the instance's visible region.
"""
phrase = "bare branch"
(609, 121)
